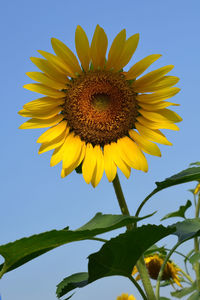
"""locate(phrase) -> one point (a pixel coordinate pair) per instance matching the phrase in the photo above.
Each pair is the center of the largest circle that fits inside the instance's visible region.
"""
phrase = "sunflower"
(126, 297)
(100, 116)
(154, 263)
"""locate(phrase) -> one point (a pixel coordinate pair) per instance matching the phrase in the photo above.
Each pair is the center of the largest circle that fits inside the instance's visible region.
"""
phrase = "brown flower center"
(154, 267)
(100, 107)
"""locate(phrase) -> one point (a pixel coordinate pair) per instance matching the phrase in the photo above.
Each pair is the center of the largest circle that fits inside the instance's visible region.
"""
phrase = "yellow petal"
(156, 125)
(55, 143)
(116, 49)
(40, 114)
(53, 132)
(170, 115)
(41, 123)
(57, 156)
(156, 105)
(98, 48)
(71, 151)
(141, 66)
(132, 154)
(152, 76)
(118, 159)
(40, 77)
(128, 51)
(162, 115)
(57, 62)
(99, 169)
(45, 90)
(144, 144)
(66, 55)
(135, 270)
(43, 104)
(197, 189)
(152, 135)
(160, 84)
(109, 165)
(76, 163)
(89, 163)
(82, 47)
(49, 69)
(158, 96)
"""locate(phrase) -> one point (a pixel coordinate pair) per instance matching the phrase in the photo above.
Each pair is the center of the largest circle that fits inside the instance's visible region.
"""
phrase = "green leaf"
(155, 249)
(191, 190)
(190, 174)
(21, 251)
(195, 296)
(70, 283)
(187, 175)
(119, 255)
(178, 213)
(163, 298)
(194, 258)
(183, 292)
(197, 163)
(187, 229)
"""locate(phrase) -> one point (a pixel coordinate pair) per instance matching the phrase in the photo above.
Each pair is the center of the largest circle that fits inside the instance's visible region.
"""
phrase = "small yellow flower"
(126, 297)
(154, 263)
(197, 189)
(100, 117)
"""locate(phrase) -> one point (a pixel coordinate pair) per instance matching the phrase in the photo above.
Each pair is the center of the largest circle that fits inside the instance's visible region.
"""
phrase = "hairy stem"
(140, 264)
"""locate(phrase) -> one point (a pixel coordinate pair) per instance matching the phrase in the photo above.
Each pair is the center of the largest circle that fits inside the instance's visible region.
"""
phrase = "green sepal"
(79, 169)
(155, 249)
(184, 291)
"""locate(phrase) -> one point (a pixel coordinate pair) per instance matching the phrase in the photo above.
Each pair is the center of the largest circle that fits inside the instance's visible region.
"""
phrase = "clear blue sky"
(33, 196)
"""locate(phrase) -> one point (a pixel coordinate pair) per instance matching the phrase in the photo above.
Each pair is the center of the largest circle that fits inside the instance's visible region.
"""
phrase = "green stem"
(98, 239)
(196, 246)
(144, 201)
(140, 264)
(160, 275)
(138, 287)
(120, 196)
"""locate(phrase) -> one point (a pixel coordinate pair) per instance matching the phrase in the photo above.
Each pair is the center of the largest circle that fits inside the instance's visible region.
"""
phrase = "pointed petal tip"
(20, 112)
(22, 126)
(137, 35)
(79, 27)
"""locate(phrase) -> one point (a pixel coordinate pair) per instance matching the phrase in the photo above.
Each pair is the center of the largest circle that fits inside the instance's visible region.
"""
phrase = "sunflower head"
(100, 116)
(154, 263)
(126, 297)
